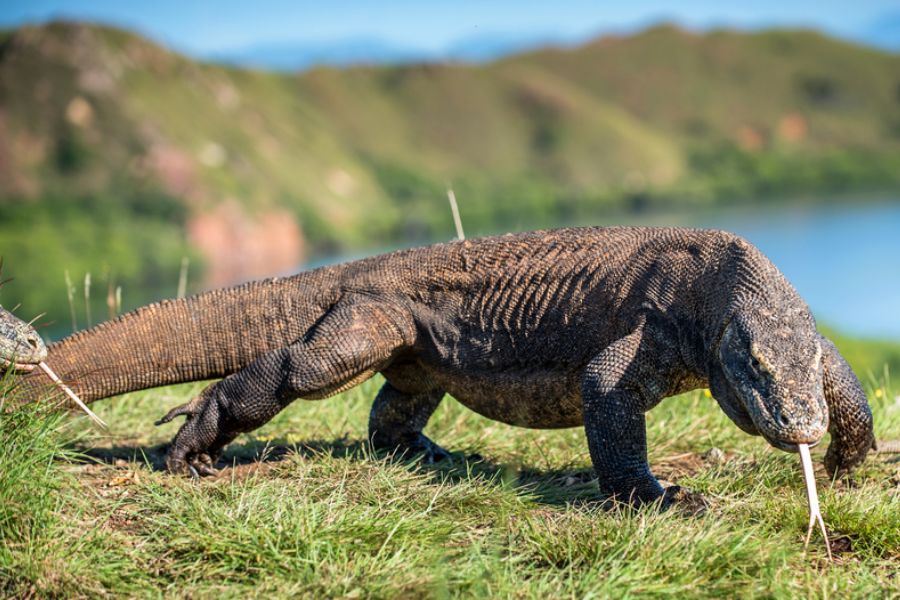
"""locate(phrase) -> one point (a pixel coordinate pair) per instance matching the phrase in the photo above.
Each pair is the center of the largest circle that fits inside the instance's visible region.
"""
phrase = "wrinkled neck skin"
(20, 344)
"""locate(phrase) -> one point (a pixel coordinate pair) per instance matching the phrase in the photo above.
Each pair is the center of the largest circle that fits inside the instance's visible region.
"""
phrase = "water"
(844, 259)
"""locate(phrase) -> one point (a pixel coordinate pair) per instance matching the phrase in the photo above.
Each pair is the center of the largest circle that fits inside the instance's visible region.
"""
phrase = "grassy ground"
(306, 511)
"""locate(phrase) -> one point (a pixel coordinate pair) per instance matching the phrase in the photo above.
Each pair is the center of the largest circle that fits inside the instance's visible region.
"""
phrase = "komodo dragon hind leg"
(397, 420)
(350, 344)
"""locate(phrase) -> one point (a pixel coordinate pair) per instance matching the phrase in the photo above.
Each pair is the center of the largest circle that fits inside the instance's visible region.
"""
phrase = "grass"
(307, 511)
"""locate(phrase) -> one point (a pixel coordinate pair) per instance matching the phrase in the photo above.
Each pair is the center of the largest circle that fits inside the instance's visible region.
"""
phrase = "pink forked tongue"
(812, 498)
(71, 394)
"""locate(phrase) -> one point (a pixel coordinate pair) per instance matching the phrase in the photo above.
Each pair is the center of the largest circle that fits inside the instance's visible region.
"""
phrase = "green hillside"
(111, 147)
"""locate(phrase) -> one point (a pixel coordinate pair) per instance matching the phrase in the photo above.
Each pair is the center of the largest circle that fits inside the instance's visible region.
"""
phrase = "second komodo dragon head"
(20, 345)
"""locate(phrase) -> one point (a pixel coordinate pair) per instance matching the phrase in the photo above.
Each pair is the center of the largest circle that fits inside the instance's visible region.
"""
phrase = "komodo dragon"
(547, 329)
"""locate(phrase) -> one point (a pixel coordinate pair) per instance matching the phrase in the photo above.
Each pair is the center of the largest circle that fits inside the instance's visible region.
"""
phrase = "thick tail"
(206, 336)
(887, 446)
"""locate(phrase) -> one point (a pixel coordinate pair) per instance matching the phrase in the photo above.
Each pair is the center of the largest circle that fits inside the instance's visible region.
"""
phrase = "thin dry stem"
(183, 276)
(456, 218)
(70, 294)
(53, 376)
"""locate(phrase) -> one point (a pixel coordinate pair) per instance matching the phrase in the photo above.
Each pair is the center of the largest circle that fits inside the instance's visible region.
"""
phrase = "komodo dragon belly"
(539, 400)
(528, 379)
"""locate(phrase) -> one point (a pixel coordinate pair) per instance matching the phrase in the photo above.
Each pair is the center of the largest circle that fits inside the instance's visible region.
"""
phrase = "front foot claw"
(684, 501)
(843, 457)
(646, 491)
(416, 446)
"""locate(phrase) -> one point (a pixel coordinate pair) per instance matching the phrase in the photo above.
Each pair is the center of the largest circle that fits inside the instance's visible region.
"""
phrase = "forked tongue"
(46, 368)
(812, 498)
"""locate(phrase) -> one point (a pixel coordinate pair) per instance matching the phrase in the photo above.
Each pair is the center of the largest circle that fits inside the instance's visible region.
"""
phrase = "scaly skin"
(547, 329)
(20, 345)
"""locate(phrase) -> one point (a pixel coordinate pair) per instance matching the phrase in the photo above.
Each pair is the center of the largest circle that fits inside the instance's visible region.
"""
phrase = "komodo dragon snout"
(20, 345)
(772, 362)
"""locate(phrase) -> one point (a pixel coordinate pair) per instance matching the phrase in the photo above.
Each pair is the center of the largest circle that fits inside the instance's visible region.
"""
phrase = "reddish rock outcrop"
(238, 247)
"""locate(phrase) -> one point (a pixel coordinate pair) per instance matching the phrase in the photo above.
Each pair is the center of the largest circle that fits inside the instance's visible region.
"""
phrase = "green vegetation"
(307, 512)
(137, 140)
(129, 245)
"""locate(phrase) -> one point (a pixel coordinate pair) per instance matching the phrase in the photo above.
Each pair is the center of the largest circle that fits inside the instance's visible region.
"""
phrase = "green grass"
(307, 511)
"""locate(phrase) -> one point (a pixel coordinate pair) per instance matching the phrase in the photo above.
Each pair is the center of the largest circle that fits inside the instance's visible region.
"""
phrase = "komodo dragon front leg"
(348, 345)
(624, 381)
(850, 419)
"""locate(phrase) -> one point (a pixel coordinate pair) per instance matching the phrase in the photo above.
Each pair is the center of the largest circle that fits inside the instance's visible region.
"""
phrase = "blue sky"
(206, 27)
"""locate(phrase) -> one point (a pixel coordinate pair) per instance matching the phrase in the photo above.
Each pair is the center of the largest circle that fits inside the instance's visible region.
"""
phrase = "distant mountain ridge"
(359, 51)
(146, 154)
(882, 33)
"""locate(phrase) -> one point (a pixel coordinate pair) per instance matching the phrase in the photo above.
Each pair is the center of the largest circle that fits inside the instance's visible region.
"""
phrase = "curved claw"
(194, 465)
(188, 408)
(436, 455)
(418, 447)
(205, 465)
(687, 502)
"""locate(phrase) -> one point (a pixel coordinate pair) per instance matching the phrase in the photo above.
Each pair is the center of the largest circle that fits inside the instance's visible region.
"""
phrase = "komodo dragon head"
(20, 345)
(771, 375)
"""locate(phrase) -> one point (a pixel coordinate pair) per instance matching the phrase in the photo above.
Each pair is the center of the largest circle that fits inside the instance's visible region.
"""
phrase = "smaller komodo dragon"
(20, 345)
(546, 329)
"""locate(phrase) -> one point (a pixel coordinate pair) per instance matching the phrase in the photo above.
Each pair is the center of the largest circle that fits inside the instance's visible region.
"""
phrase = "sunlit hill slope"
(118, 156)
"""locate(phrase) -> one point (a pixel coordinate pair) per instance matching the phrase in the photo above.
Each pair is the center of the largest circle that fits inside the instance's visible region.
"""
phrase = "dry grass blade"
(812, 498)
(457, 221)
(46, 368)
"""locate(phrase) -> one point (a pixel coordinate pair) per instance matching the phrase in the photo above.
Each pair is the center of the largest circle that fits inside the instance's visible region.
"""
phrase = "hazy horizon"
(303, 34)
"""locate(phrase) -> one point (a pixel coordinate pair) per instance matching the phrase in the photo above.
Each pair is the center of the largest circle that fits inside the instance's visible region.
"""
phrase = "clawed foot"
(194, 465)
(198, 444)
(843, 457)
(416, 446)
(673, 497)
(684, 501)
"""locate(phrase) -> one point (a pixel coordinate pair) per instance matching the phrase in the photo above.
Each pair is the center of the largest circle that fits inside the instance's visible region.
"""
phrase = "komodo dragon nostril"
(783, 420)
(32, 341)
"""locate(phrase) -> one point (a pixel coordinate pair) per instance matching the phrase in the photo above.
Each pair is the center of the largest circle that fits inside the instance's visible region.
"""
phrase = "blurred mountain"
(117, 151)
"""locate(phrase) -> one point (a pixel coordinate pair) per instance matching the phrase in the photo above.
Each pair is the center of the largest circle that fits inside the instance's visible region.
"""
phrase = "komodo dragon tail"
(206, 336)
(887, 446)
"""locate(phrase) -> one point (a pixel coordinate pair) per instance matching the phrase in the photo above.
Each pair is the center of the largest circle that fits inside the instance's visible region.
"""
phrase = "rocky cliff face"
(239, 247)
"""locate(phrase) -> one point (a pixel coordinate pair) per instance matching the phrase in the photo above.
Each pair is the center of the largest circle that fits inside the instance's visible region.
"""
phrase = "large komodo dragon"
(548, 329)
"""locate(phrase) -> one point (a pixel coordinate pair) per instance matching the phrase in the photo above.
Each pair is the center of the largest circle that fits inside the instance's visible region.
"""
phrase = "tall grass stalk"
(70, 295)
(183, 276)
(451, 196)
(87, 298)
